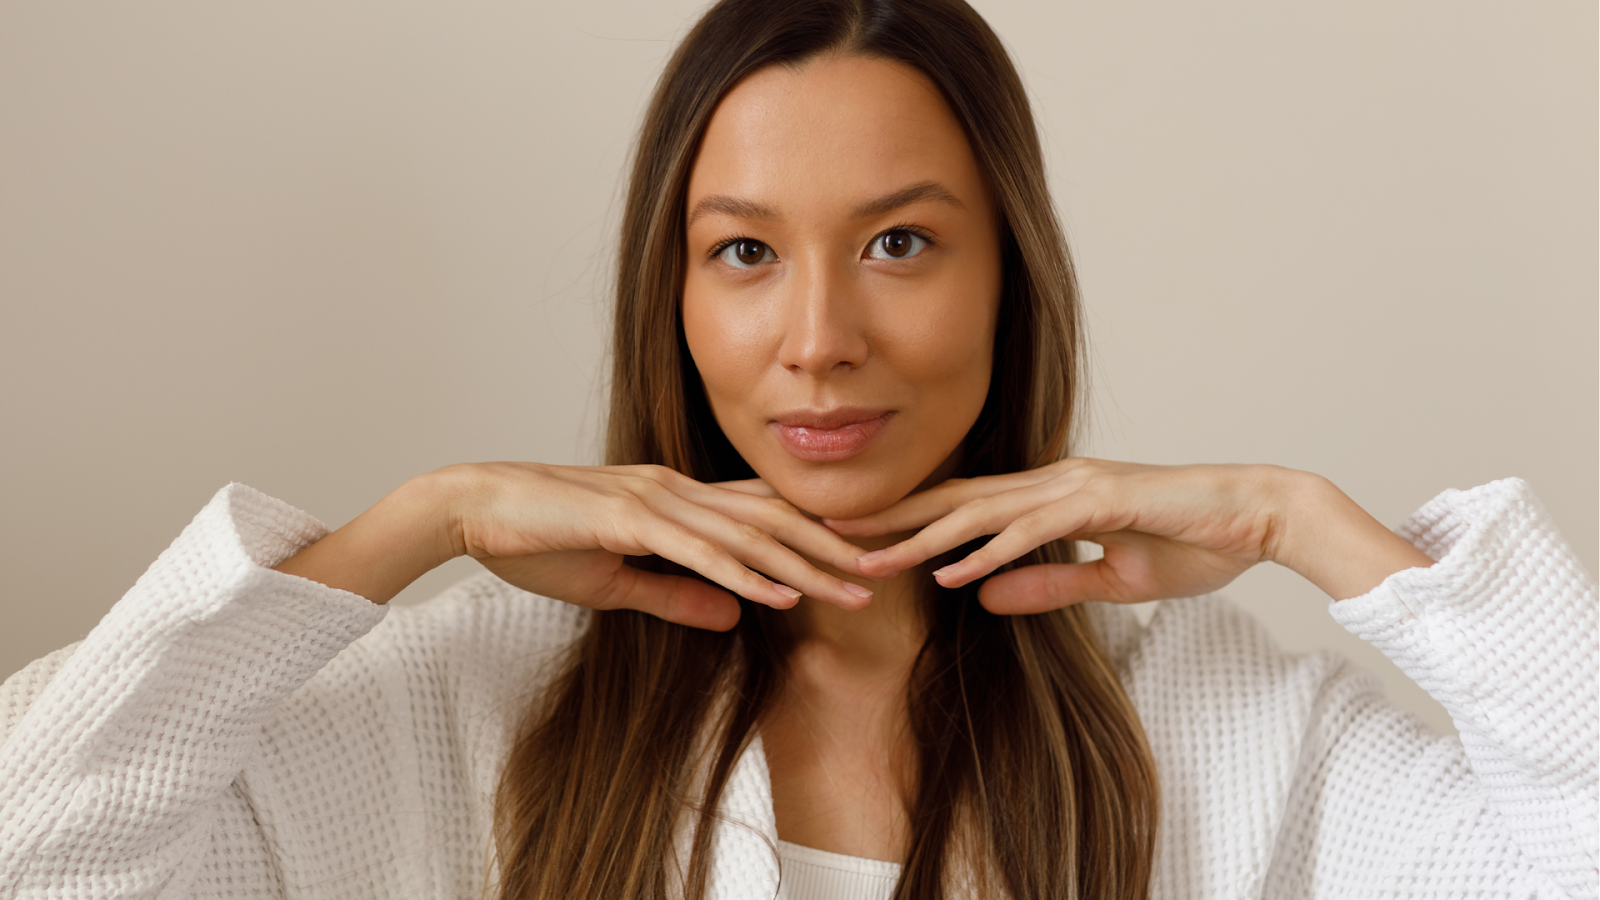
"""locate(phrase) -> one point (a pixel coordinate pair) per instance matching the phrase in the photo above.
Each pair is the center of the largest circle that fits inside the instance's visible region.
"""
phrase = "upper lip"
(828, 419)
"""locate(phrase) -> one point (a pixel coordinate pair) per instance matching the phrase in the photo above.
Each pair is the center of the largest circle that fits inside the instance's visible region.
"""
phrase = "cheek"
(945, 346)
(729, 342)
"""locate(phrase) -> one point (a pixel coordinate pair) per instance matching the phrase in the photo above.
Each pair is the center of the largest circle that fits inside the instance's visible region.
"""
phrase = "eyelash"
(907, 227)
(725, 243)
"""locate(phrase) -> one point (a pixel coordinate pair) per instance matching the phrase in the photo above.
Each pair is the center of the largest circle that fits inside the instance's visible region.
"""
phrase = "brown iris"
(749, 252)
(896, 243)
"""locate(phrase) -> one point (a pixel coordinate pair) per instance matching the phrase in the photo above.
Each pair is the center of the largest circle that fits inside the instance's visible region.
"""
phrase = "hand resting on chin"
(1167, 531)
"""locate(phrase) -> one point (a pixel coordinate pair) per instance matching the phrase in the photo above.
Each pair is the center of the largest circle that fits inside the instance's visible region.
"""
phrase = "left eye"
(897, 244)
(746, 253)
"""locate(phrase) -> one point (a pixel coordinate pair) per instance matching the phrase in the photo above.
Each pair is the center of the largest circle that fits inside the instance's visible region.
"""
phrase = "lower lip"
(830, 444)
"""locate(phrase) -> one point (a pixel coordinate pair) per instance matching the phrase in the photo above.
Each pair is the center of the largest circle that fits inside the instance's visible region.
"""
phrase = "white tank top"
(811, 874)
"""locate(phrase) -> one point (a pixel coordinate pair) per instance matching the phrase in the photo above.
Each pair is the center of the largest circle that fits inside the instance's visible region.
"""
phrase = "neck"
(836, 734)
(878, 641)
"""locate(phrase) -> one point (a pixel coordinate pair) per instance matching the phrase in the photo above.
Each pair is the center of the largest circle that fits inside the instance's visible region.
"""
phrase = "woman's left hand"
(1167, 531)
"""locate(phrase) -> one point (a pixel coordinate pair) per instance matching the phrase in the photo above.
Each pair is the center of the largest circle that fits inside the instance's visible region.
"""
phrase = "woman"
(845, 354)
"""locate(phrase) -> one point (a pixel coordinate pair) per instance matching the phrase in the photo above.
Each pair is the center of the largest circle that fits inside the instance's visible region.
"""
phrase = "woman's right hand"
(564, 532)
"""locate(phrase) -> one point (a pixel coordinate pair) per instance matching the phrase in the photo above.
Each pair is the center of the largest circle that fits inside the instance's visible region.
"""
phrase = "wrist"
(1328, 539)
(1298, 500)
(442, 499)
(378, 553)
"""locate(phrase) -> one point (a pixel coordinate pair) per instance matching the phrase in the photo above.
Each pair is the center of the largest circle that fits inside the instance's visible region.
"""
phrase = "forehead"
(832, 129)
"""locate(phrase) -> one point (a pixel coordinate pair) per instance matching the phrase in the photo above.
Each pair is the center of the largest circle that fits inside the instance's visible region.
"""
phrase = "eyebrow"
(916, 193)
(749, 209)
(732, 206)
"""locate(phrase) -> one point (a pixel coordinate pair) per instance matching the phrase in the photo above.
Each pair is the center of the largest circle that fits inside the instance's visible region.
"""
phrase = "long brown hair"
(1047, 787)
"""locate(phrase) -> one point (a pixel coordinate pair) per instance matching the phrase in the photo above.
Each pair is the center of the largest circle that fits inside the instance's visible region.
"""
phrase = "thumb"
(1037, 589)
(675, 598)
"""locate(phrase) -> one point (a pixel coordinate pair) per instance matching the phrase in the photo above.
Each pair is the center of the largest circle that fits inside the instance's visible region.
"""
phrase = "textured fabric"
(811, 874)
(231, 731)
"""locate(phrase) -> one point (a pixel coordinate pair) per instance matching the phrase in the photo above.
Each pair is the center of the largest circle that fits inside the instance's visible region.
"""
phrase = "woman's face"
(843, 280)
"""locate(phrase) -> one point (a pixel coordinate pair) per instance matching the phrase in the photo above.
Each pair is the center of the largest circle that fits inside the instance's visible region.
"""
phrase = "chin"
(841, 495)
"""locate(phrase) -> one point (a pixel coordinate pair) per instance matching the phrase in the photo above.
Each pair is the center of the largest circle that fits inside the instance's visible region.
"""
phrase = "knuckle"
(780, 507)
(646, 488)
(981, 512)
(620, 507)
(1055, 589)
(668, 476)
(698, 542)
(1088, 484)
(706, 550)
(1030, 524)
(763, 511)
(751, 534)
(1081, 474)
(645, 481)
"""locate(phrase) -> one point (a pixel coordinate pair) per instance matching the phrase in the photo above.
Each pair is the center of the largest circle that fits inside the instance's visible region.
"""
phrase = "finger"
(927, 506)
(755, 487)
(754, 502)
(914, 511)
(985, 515)
(759, 550)
(784, 522)
(1037, 589)
(686, 601)
(662, 490)
(1025, 533)
(673, 541)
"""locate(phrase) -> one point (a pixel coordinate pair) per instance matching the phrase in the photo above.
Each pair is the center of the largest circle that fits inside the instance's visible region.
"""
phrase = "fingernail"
(857, 589)
(787, 591)
(940, 573)
(869, 557)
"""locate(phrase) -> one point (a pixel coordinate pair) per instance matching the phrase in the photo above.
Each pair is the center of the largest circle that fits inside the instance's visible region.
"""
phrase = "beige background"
(320, 248)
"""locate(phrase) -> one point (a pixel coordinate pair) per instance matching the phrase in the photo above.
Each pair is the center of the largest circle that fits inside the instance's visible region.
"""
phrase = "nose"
(823, 322)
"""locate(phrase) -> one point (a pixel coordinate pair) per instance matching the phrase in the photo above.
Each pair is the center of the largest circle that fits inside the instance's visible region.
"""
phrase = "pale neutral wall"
(319, 248)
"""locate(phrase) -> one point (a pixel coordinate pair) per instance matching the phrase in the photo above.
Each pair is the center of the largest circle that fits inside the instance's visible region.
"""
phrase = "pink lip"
(829, 435)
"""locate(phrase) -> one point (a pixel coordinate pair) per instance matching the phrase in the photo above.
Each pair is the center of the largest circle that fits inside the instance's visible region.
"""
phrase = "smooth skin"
(843, 251)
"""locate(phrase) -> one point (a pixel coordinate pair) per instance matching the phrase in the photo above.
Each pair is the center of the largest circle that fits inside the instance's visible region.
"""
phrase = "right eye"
(744, 253)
